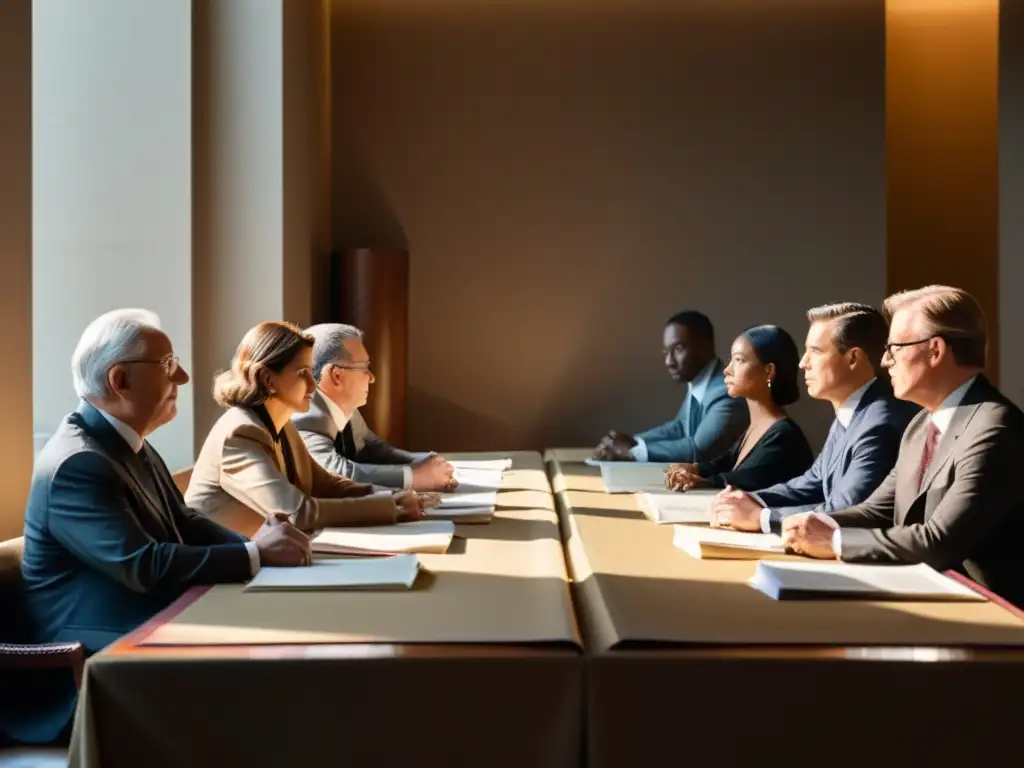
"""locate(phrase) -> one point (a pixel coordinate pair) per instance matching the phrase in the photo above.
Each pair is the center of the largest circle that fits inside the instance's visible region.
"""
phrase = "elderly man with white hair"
(109, 541)
(336, 434)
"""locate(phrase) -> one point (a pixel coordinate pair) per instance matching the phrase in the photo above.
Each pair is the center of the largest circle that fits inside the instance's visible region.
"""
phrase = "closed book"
(397, 572)
(831, 580)
(425, 536)
(692, 507)
(726, 544)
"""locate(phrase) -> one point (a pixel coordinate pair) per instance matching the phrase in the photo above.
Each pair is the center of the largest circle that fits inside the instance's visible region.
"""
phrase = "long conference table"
(567, 632)
(687, 662)
(478, 664)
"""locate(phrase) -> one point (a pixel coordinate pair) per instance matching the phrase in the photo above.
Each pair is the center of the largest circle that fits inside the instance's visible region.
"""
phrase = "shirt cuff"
(407, 477)
(766, 520)
(639, 451)
(254, 556)
(837, 543)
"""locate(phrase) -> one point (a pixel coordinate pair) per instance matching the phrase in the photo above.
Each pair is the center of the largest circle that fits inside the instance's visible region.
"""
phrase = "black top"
(781, 454)
(280, 438)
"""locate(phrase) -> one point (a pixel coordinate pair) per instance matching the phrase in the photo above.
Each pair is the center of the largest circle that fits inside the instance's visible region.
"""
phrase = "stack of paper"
(671, 507)
(478, 480)
(482, 464)
(465, 507)
(726, 544)
(630, 477)
(433, 536)
(398, 572)
(468, 499)
(803, 581)
(462, 515)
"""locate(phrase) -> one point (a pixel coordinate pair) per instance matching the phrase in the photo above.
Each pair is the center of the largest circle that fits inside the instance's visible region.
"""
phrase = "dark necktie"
(345, 443)
(931, 442)
(152, 480)
(693, 416)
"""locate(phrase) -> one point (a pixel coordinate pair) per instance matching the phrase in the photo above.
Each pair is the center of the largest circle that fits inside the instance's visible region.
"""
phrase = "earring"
(769, 383)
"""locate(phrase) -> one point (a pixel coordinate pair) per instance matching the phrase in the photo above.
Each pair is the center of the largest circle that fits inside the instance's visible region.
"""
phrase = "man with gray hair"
(335, 432)
(109, 541)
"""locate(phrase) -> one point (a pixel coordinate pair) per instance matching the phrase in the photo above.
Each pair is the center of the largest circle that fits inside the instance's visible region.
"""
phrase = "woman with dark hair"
(254, 464)
(763, 370)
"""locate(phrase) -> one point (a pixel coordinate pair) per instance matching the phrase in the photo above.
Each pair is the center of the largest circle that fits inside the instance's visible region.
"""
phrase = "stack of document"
(630, 477)
(692, 507)
(465, 507)
(398, 572)
(428, 536)
(803, 581)
(726, 544)
(484, 464)
(480, 476)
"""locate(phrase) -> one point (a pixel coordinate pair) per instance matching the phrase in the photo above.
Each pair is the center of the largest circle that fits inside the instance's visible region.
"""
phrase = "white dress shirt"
(942, 417)
(844, 415)
(696, 389)
(136, 443)
(341, 420)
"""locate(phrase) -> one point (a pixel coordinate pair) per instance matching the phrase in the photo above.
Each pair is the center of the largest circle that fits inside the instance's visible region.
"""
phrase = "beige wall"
(1011, 197)
(568, 174)
(16, 253)
(260, 210)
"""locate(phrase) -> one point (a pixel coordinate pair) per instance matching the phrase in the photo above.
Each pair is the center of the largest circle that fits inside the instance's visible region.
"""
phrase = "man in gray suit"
(109, 541)
(842, 358)
(708, 422)
(336, 434)
(954, 499)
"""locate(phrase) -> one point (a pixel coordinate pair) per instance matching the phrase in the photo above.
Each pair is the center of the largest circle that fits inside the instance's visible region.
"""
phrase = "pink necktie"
(931, 441)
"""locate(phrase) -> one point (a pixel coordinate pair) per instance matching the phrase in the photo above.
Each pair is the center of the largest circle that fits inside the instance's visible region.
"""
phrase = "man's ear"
(117, 379)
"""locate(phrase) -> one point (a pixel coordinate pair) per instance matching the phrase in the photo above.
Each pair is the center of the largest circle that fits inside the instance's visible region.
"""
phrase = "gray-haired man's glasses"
(365, 367)
(171, 364)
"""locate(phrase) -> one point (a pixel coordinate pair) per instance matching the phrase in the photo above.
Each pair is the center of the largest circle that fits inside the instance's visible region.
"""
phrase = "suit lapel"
(115, 445)
(302, 468)
(832, 452)
(947, 443)
(908, 466)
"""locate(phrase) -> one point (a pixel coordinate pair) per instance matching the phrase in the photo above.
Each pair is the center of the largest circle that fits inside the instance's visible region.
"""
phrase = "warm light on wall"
(941, 6)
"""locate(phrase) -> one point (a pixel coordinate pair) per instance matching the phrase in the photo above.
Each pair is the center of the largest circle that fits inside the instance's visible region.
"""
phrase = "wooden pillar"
(371, 292)
(16, 252)
(1011, 195)
(942, 149)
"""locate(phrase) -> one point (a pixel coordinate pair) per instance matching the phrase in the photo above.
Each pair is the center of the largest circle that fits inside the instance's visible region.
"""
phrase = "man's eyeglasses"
(171, 364)
(890, 349)
(359, 367)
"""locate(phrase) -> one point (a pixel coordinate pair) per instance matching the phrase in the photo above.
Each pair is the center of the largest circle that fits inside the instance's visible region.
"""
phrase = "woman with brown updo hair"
(254, 464)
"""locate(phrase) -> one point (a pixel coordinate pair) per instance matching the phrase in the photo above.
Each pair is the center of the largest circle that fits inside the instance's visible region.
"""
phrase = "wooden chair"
(27, 670)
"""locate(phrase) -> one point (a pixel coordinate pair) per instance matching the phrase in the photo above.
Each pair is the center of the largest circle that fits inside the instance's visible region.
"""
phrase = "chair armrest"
(44, 655)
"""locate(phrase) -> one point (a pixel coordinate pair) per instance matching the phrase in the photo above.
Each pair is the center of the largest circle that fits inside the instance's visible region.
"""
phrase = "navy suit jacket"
(721, 420)
(852, 464)
(109, 542)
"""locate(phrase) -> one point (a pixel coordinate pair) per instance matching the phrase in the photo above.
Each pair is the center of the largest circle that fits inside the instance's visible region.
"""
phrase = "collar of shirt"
(944, 414)
(130, 436)
(699, 386)
(338, 416)
(264, 416)
(844, 414)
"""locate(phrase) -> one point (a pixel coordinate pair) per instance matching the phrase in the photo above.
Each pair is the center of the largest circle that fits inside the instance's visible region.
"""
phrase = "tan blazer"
(239, 479)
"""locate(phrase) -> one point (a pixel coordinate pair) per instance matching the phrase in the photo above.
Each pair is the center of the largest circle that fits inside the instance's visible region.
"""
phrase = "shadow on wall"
(566, 177)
